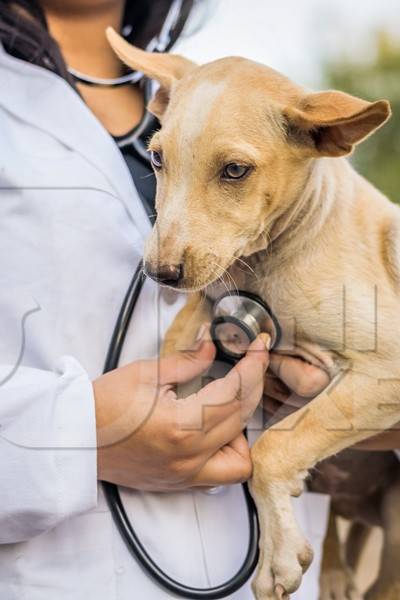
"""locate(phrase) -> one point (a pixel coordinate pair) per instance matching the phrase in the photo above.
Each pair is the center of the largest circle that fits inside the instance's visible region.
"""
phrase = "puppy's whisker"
(233, 281)
(241, 269)
(222, 280)
(252, 271)
(268, 241)
(243, 262)
(221, 277)
(203, 297)
(230, 278)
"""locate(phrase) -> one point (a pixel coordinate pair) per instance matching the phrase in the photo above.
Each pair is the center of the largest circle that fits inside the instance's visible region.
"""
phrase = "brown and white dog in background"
(250, 168)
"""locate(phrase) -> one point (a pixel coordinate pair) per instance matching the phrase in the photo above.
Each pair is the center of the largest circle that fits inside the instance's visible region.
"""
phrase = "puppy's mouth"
(217, 282)
(186, 287)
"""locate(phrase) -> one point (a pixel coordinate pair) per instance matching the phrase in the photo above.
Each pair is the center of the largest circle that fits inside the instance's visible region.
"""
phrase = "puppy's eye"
(235, 171)
(156, 159)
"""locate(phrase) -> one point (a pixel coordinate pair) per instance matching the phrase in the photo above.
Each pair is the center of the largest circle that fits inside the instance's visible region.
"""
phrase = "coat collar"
(47, 101)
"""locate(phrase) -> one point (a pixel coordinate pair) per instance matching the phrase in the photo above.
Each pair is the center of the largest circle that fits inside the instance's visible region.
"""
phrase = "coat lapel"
(46, 101)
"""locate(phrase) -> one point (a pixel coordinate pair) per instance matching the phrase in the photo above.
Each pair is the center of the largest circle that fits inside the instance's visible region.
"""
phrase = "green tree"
(378, 158)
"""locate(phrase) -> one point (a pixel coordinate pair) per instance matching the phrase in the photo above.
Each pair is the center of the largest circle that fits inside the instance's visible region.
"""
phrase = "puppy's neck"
(328, 181)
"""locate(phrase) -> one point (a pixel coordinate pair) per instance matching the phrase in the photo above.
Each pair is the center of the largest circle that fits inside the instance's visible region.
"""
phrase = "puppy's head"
(234, 151)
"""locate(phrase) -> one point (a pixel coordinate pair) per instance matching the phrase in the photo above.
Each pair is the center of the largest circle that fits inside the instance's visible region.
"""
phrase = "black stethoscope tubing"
(116, 506)
(172, 27)
(111, 491)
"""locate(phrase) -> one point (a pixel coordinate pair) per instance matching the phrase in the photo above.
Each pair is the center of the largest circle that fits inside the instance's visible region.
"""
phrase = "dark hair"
(25, 35)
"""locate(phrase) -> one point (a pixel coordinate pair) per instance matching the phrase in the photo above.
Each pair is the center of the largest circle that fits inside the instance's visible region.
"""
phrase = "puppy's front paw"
(283, 560)
(284, 552)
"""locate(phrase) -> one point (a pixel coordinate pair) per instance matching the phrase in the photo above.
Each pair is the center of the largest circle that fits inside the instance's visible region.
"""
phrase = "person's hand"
(149, 439)
(290, 383)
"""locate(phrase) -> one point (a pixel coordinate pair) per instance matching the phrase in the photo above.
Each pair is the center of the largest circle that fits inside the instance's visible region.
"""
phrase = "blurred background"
(321, 44)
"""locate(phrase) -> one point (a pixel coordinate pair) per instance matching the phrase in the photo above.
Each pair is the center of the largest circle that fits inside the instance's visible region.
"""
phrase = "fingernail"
(201, 336)
(266, 339)
(201, 332)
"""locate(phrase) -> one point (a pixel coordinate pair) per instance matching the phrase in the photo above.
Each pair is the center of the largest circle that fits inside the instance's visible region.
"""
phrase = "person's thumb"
(188, 364)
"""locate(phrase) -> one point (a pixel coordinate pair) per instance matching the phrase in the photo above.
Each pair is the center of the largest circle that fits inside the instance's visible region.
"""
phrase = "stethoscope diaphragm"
(238, 317)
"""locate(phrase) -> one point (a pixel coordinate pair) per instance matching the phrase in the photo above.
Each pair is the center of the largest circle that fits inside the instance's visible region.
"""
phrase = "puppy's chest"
(334, 315)
(302, 317)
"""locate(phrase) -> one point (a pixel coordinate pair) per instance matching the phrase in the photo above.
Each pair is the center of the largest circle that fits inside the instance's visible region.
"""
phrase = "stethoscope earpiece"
(238, 317)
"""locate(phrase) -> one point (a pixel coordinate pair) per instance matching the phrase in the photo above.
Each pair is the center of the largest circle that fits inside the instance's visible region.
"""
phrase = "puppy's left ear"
(165, 68)
(332, 123)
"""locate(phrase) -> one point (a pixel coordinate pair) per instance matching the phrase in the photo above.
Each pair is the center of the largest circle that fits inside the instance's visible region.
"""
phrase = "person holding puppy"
(73, 228)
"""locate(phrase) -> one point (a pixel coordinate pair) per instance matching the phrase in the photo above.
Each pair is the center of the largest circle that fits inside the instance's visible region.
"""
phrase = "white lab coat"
(72, 231)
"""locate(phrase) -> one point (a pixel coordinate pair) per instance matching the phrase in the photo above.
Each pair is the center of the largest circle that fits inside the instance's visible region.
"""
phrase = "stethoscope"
(238, 317)
(160, 43)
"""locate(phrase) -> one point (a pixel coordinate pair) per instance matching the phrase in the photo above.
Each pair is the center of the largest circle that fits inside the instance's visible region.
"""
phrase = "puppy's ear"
(165, 68)
(332, 123)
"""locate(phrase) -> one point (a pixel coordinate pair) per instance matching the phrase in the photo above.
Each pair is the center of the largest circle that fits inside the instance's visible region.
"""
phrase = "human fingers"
(238, 393)
(303, 378)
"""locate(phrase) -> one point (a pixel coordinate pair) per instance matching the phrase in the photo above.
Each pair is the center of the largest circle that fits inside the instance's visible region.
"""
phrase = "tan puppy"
(250, 168)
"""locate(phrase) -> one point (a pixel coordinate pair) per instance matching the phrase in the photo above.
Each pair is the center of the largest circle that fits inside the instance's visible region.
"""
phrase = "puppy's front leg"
(351, 409)
(184, 329)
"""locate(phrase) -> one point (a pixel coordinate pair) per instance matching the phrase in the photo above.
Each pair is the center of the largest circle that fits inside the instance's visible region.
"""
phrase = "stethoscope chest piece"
(238, 317)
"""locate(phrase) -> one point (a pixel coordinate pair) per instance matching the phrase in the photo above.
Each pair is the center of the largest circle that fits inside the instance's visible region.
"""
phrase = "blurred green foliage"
(378, 158)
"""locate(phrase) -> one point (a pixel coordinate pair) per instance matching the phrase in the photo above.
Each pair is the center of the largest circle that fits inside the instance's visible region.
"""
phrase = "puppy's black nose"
(165, 274)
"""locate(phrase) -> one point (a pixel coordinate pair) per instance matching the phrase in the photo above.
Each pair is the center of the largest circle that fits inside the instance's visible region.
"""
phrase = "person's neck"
(80, 35)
